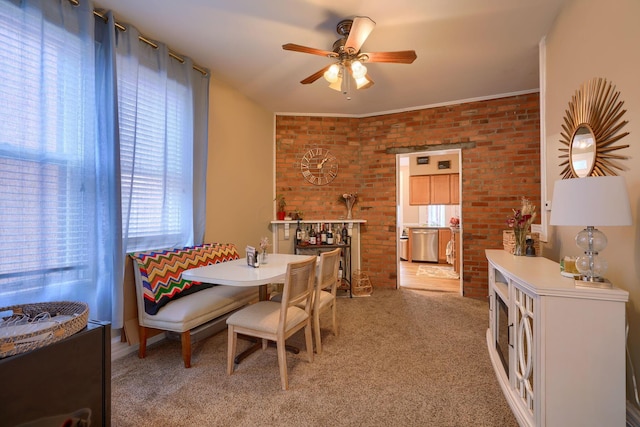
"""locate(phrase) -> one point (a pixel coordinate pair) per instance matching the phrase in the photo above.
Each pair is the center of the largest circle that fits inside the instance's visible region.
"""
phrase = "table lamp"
(591, 202)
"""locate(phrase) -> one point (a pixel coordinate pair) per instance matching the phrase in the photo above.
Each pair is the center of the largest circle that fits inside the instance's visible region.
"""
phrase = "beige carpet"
(402, 358)
(437, 271)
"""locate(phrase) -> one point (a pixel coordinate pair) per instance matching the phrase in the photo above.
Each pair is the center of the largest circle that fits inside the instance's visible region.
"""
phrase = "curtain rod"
(142, 39)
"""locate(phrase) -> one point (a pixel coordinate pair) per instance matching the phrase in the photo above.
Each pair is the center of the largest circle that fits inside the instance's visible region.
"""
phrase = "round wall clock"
(319, 166)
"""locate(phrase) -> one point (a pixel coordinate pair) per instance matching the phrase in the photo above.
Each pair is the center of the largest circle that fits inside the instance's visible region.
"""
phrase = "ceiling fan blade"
(304, 49)
(360, 30)
(315, 76)
(400, 57)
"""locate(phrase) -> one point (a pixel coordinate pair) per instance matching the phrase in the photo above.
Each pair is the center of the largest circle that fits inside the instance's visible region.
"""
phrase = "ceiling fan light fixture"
(362, 82)
(348, 59)
(337, 84)
(332, 74)
(358, 70)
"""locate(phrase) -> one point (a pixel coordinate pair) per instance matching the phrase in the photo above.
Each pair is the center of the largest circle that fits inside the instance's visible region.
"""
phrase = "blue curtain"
(200, 83)
(111, 249)
(102, 152)
(56, 173)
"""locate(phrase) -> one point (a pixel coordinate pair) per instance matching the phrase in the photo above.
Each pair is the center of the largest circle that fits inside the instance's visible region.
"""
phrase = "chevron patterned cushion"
(161, 271)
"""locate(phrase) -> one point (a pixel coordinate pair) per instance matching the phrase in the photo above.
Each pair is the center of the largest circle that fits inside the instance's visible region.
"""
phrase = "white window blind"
(436, 215)
(42, 151)
(155, 151)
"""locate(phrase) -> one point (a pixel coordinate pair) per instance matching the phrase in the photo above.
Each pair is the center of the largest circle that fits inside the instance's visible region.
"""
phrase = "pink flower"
(264, 243)
(523, 217)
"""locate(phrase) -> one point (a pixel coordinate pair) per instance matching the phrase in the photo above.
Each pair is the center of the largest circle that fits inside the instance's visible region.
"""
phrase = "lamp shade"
(591, 201)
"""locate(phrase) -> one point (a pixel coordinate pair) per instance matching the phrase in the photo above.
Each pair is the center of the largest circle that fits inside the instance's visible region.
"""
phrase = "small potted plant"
(282, 204)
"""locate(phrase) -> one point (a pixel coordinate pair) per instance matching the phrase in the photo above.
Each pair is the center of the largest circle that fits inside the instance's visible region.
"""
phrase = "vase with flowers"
(349, 200)
(520, 222)
(264, 245)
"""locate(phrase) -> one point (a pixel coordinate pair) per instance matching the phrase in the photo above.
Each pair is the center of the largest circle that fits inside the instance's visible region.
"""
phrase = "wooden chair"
(275, 321)
(325, 293)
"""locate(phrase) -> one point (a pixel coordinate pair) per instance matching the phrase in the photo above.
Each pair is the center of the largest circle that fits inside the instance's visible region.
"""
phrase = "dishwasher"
(424, 244)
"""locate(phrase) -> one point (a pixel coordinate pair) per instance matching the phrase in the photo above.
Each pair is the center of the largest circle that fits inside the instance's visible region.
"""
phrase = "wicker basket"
(31, 326)
(361, 285)
(509, 241)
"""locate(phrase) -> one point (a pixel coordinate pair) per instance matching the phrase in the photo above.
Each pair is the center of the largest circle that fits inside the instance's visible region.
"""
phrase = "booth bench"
(168, 302)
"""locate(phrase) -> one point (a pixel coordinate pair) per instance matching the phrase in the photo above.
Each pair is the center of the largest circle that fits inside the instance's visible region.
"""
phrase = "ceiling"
(466, 49)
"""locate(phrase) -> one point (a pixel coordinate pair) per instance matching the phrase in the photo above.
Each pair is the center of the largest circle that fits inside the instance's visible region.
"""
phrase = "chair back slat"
(326, 283)
(298, 286)
(328, 271)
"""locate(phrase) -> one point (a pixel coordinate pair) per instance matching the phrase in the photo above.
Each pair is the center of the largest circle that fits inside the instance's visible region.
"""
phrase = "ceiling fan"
(349, 59)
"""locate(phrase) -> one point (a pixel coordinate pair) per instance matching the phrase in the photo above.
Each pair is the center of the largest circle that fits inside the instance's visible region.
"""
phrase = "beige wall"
(594, 38)
(240, 169)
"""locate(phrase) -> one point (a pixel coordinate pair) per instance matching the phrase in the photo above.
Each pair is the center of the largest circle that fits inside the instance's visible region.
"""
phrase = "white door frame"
(399, 204)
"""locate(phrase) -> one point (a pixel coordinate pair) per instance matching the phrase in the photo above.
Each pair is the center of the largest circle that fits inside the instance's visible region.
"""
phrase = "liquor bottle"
(298, 234)
(256, 258)
(312, 236)
(340, 273)
(329, 236)
(323, 236)
(345, 234)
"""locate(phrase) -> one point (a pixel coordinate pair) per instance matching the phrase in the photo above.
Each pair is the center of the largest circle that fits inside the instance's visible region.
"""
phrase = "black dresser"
(73, 374)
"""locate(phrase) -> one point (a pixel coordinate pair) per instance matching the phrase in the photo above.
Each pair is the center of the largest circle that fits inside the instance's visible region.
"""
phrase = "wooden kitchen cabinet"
(440, 190)
(420, 190)
(434, 189)
(454, 188)
(455, 238)
(444, 236)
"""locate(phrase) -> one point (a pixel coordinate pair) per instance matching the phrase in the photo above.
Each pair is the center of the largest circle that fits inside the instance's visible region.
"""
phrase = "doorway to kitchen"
(428, 225)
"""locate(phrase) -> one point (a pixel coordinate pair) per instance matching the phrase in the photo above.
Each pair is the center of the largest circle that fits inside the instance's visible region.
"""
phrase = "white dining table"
(238, 273)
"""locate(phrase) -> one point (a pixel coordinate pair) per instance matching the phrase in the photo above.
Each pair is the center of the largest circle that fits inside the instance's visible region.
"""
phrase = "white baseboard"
(120, 349)
(633, 415)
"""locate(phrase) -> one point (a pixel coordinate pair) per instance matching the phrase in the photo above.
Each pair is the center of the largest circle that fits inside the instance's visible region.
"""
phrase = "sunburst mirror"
(591, 127)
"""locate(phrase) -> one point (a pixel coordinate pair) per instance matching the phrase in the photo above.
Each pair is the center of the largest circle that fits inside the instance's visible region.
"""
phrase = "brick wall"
(501, 165)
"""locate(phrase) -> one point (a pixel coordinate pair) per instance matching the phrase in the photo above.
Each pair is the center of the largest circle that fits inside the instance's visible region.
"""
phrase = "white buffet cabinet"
(558, 351)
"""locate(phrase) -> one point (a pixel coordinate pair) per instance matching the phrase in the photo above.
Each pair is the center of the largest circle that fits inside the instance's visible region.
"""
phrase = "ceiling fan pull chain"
(347, 85)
